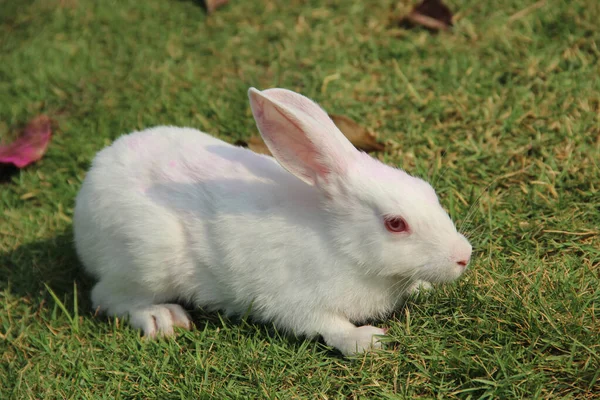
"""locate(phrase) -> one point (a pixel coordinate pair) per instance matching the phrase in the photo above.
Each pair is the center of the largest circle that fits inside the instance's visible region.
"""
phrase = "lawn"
(501, 114)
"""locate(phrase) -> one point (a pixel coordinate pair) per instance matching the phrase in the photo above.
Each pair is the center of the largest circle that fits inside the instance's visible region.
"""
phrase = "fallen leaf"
(430, 14)
(31, 145)
(360, 137)
(257, 145)
(212, 5)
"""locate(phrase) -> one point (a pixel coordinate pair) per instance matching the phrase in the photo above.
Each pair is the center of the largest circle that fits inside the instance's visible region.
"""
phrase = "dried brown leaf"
(360, 137)
(257, 145)
(430, 14)
(212, 5)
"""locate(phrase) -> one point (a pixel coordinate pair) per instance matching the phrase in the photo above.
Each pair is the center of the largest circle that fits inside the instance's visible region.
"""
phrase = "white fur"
(171, 214)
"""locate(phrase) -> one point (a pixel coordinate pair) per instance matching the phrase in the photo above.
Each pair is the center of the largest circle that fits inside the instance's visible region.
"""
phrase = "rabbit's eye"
(395, 224)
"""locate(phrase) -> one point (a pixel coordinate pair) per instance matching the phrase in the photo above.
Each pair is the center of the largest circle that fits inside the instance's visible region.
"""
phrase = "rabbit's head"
(388, 222)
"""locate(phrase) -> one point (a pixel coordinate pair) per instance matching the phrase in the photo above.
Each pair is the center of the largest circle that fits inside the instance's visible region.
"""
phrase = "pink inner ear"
(296, 138)
(257, 105)
(304, 147)
(299, 156)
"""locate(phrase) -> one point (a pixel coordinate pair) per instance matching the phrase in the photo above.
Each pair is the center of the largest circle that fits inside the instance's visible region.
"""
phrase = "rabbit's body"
(209, 223)
(172, 214)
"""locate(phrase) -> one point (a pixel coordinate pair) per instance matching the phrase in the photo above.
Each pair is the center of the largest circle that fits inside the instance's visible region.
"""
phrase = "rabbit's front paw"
(357, 340)
(420, 287)
(364, 338)
(159, 319)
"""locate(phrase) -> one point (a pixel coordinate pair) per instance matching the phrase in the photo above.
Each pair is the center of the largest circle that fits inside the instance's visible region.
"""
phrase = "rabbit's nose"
(463, 263)
(462, 251)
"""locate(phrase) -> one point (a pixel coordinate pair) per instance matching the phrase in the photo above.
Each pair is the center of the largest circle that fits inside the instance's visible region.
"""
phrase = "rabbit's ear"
(300, 134)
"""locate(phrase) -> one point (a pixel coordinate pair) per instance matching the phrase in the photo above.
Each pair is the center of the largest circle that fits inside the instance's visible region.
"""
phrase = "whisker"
(471, 210)
(495, 180)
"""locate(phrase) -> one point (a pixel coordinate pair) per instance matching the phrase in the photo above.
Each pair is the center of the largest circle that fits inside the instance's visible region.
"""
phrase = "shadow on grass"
(53, 262)
(27, 270)
(7, 171)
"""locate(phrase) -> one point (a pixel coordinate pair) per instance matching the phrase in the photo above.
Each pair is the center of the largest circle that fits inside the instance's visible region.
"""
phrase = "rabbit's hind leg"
(159, 319)
(155, 319)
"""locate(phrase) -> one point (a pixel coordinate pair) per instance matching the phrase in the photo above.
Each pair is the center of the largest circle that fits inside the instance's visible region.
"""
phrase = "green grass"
(502, 115)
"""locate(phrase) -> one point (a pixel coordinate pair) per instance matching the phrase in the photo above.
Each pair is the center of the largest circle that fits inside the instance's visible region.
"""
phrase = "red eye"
(395, 224)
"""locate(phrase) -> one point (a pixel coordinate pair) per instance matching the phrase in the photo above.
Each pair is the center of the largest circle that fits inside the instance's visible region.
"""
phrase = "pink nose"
(462, 251)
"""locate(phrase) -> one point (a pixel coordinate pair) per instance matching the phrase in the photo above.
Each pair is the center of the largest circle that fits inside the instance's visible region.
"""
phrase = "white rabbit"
(320, 239)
